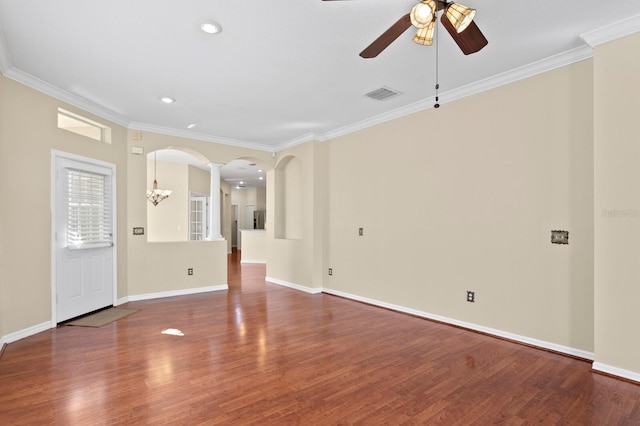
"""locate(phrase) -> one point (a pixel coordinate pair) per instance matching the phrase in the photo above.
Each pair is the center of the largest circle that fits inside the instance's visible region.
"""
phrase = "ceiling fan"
(457, 19)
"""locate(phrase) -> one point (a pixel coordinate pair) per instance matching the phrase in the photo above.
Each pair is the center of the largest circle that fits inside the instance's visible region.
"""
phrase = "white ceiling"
(240, 174)
(282, 71)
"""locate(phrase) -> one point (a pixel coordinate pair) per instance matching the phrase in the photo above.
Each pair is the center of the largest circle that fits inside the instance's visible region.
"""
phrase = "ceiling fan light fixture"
(424, 36)
(422, 13)
(460, 16)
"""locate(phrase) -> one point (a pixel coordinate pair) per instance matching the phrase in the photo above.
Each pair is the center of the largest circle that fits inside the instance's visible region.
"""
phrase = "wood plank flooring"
(264, 354)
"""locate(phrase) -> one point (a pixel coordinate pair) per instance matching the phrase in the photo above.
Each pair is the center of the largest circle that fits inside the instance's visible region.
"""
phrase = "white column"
(214, 207)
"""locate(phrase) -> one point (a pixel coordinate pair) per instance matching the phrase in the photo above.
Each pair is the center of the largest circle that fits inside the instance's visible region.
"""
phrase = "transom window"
(75, 123)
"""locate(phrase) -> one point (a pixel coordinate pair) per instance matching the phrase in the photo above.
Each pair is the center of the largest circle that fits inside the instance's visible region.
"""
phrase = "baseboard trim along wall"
(615, 371)
(9, 338)
(498, 333)
(596, 366)
(39, 328)
(294, 286)
(172, 293)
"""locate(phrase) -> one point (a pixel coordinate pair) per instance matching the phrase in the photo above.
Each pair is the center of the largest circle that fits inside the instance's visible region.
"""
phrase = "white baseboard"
(253, 261)
(615, 371)
(498, 333)
(12, 337)
(294, 286)
(597, 366)
(172, 293)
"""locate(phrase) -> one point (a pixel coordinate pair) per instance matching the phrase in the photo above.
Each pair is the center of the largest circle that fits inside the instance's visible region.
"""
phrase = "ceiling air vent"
(382, 94)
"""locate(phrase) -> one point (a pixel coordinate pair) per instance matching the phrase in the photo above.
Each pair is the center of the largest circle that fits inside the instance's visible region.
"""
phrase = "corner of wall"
(3, 179)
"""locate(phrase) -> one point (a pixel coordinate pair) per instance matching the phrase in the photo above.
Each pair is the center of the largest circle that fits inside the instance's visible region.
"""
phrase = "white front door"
(84, 222)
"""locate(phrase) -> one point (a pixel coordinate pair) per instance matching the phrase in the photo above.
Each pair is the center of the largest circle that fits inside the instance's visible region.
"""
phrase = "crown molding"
(593, 38)
(520, 73)
(612, 31)
(135, 125)
(64, 96)
(93, 108)
(5, 58)
(307, 137)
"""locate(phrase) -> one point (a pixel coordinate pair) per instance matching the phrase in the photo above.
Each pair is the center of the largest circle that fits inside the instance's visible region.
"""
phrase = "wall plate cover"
(560, 237)
(138, 230)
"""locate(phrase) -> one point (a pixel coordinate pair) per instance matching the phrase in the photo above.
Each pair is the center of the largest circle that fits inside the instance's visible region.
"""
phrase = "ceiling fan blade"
(470, 40)
(387, 37)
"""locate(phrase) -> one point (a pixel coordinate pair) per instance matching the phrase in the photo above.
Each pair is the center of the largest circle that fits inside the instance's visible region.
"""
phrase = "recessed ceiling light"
(260, 178)
(260, 170)
(211, 27)
(191, 126)
(167, 100)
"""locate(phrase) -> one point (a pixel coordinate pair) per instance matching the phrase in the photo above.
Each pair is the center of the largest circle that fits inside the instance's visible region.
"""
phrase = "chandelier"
(156, 195)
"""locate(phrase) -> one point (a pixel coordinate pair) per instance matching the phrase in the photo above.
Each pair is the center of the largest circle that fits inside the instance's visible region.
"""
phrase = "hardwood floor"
(264, 354)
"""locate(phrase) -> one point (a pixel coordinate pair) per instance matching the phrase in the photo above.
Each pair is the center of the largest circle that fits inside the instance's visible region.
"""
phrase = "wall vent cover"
(382, 94)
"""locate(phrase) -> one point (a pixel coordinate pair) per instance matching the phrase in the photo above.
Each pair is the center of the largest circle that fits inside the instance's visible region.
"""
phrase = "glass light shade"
(460, 16)
(424, 36)
(422, 13)
(157, 195)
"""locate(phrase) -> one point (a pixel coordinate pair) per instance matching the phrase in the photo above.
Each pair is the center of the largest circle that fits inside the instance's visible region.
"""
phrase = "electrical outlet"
(190, 271)
(330, 271)
(471, 296)
(361, 231)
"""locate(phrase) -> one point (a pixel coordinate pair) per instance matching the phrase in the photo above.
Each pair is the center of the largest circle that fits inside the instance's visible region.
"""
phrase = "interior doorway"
(234, 227)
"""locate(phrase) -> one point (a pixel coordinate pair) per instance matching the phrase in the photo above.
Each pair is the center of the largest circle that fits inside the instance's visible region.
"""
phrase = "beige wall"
(617, 203)
(254, 246)
(162, 267)
(199, 180)
(146, 275)
(3, 190)
(292, 199)
(29, 133)
(455, 199)
(296, 260)
(464, 198)
(261, 198)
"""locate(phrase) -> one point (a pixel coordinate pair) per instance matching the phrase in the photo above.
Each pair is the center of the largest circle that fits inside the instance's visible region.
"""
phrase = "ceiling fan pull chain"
(437, 105)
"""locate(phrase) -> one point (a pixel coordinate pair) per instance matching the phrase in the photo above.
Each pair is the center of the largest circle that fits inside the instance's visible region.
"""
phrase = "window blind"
(89, 222)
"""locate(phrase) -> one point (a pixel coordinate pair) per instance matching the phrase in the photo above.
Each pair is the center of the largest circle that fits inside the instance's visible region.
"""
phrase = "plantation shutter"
(89, 221)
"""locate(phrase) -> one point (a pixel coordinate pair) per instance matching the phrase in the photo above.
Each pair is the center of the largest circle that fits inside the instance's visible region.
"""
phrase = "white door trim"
(55, 155)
